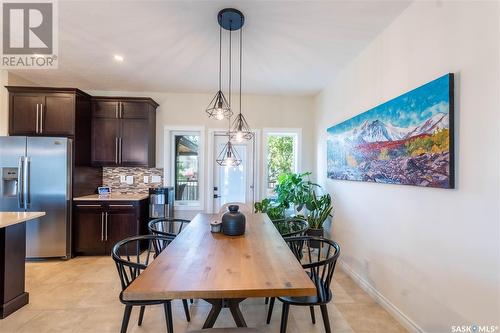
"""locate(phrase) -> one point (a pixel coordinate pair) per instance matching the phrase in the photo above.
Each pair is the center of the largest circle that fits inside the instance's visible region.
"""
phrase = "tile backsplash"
(111, 178)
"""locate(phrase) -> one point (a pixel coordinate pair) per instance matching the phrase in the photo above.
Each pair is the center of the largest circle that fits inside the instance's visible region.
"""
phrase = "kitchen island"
(12, 257)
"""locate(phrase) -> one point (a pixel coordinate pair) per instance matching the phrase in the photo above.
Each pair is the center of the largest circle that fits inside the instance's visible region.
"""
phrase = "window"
(185, 167)
(281, 154)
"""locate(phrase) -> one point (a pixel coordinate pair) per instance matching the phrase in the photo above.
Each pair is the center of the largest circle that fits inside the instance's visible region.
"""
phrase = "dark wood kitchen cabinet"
(98, 225)
(43, 111)
(123, 131)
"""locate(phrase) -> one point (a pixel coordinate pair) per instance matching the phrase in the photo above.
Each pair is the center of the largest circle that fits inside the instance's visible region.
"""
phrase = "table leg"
(214, 312)
(218, 304)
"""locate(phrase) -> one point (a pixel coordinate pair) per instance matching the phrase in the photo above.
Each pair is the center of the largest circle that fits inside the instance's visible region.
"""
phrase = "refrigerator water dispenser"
(9, 182)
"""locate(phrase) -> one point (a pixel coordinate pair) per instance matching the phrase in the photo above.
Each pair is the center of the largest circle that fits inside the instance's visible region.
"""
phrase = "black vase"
(233, 222)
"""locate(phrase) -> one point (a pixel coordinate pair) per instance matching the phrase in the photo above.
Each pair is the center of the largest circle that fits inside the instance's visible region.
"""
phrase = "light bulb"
(239, 136)
(219, 114)
(229, 161)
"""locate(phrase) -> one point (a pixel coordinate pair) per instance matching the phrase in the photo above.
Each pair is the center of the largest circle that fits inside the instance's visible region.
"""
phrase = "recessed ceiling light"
(118, 57)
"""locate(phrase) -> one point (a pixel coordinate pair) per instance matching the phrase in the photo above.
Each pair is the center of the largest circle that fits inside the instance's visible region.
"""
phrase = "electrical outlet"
(123, 179)
(146, 179)
(155, 179)
(130, 180)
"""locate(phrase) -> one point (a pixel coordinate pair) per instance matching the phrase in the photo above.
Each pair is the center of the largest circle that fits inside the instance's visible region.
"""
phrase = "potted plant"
(293, 190)
(274, 210)
(319, 209)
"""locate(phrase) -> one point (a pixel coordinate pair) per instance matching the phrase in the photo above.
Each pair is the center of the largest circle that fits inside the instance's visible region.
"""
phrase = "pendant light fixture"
(230, 19)
(219, 107)
(241, 130)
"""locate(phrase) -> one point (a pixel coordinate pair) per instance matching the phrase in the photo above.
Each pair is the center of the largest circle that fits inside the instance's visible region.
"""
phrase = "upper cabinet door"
(134, 145)
(103, 108)
(133, 110)
(25, 113)
(57, 116)
(105, 141)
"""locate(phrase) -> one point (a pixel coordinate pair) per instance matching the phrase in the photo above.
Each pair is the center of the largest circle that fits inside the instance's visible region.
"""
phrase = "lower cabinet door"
(89, 230)
(121, 223)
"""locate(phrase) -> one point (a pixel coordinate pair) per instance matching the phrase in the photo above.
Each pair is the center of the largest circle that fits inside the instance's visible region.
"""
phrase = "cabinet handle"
(116, 110)
(106, 239)
(121, 205)
(120, 154)
(121, 110)
(116, 150)
(102, 226)
(41, 118)
(37, 117)
(88, 205)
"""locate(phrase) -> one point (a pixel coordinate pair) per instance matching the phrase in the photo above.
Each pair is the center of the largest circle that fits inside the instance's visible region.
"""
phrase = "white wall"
(432, 253)
(261, 111)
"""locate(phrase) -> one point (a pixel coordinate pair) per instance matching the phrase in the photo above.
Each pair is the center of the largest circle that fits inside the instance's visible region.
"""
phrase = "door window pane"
(187, 185)
(233, 179)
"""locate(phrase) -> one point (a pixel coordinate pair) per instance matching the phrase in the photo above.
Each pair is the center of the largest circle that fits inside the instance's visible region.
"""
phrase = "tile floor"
(81, 295)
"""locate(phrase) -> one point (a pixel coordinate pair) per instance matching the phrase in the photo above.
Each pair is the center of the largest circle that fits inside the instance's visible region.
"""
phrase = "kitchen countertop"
(11, 218)
(114, 197)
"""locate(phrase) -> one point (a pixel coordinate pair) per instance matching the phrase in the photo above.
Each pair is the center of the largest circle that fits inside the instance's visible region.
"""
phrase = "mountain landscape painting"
(407, 140)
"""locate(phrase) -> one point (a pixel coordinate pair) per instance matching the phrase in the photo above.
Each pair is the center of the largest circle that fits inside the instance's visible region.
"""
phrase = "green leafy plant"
(293, 189)
(274, 210)
(319, 209)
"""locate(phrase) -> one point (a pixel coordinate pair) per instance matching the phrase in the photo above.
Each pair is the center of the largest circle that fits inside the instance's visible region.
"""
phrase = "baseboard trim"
(403, 319)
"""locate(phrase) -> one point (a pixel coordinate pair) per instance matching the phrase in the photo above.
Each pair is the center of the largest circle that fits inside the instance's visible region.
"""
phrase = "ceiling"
(290, 47)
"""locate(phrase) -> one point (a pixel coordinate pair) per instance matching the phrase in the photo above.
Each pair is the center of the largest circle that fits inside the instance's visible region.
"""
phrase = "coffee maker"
(161, 202)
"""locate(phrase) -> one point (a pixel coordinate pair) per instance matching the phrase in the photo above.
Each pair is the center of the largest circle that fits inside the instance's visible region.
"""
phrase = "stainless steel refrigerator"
(36, 176)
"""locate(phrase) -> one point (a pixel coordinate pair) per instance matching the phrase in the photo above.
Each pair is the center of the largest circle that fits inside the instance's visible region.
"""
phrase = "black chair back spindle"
(167, 226)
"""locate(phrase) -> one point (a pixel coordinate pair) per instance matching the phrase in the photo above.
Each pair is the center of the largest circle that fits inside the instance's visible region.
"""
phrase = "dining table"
(223, 270)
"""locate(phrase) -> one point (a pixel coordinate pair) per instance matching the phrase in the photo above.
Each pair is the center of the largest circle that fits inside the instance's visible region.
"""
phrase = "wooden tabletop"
(201, 264)
(11, 218)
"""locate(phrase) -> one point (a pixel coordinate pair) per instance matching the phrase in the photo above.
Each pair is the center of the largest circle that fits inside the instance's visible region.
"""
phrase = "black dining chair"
(167, 226)
(130, 263)
(290, 227)
(319, 264)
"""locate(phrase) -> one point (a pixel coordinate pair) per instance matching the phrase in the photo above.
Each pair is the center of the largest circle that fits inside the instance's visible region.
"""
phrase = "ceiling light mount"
(231, 19)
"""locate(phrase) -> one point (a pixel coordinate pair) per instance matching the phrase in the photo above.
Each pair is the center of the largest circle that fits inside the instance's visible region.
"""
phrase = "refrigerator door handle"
(26, 182)
(102, 226)
(20, 171)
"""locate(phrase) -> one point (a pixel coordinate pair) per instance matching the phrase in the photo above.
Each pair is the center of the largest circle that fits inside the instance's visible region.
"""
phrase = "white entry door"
(234, 184)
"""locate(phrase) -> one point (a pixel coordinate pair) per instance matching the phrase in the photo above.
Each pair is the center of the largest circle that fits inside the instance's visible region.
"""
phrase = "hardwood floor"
(81, 295)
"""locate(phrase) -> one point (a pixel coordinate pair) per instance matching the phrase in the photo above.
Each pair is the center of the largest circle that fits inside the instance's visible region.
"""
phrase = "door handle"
(106, 226)
(37, 118)
(102, 226)
(41, 118)
(216, 196)
(26, 182)
(116, 150)
(20, 171)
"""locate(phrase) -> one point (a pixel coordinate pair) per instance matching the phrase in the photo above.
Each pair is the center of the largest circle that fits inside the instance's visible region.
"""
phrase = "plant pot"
(315, 233)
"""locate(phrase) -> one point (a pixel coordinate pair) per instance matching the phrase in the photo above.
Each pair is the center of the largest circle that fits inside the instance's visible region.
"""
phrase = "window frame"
(297, 164)
(169, 164)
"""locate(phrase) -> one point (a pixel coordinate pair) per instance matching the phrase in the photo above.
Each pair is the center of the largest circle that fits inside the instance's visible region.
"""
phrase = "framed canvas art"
(407, 140)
